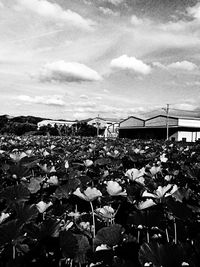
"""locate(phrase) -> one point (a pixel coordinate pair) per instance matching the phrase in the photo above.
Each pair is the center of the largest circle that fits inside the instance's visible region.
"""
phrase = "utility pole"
(167, 122)
(98, 126)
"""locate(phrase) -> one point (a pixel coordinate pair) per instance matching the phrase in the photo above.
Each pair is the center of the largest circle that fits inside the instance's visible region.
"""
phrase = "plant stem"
(93, 219)
(167, 235)
(138, 237)
(175, 232)
(147, 235)
(14, 253)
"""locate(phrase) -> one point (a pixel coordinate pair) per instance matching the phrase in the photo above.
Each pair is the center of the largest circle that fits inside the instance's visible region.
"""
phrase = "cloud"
(182, 65)
(84, 97)
(86, 104)
(62, 71)
(54, 11)
(114, 2)
(108, 11)
(130, 63)
(136, 21)
(54, 100)
(194, 11)
(1, 5)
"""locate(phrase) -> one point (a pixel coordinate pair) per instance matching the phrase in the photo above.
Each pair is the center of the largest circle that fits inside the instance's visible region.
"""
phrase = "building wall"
(161, 121)
(52, 123)
(132, 122)
(190, 136)
(188, 123)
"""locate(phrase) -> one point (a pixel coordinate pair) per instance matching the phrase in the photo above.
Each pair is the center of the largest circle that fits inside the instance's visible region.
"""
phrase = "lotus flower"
(102, 247)
(42, 206)
(53, 180)
(106, 212)
(163, 158)
(46, 168)
(161, 192)
(66, 164)
(155, 169)
(114, 189)
(136, 175)
(88, 162)
(17, 156)
(45, 153)
(146, 204)
(89, 194)
(4, 216)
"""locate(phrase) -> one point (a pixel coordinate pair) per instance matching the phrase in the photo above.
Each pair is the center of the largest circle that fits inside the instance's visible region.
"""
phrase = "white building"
(108, 126)
(179, 128)
(52, 123)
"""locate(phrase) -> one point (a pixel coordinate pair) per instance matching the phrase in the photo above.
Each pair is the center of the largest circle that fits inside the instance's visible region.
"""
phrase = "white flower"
(147, 264)
(160, 192)
(42, 206)
(88, 162)
(146, 204)
(136, 175)
(53, 180)
(106, 212)
(4, 216)
(102, 247)
(66, 164)
(89, 194)
(45, 153)
(17, 156)
(168, 178)
(163, 158)
(185, 264)
(114, 189)
(154, 170)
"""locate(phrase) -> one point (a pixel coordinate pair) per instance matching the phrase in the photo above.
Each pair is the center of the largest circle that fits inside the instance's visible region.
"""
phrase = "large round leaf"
(165, 255)
(9, 232)
(111, 235)
(69, 244)
(15, 193)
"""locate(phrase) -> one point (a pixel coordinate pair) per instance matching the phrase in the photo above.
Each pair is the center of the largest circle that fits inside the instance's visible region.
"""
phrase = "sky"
(76, 59)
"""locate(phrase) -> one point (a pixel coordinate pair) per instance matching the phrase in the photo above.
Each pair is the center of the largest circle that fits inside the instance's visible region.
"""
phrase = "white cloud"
(185, 106)
(86, 104)
(108, 11)
(55, 100)
(1, 5)
(130, 63)
(54, 11)
(136, 21)
(114, 2)
(183, 65)
(62, 71)
(84, 97)
(158, 65)
(194, 11)
(98, 97)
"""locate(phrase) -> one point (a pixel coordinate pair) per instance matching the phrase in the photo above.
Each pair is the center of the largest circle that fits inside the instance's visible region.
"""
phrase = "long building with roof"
(180, 128)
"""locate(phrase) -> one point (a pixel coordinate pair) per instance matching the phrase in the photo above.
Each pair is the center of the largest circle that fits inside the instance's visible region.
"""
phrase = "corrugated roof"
(172, 112)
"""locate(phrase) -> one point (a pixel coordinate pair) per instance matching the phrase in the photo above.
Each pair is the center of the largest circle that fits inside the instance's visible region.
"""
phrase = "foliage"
(82, 201)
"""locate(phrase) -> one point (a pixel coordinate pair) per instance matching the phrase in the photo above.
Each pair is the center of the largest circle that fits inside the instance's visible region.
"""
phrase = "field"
(91, 202)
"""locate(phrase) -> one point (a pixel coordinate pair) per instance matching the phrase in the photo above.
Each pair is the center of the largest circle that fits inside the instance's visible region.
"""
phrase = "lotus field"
(70, 201)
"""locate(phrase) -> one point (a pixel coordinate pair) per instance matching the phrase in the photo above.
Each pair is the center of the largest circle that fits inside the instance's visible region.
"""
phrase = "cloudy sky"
(74, 59)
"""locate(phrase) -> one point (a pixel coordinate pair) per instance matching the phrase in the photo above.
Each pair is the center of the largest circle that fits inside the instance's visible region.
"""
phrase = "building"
(107, 127)
(179, 128)
(58, 123)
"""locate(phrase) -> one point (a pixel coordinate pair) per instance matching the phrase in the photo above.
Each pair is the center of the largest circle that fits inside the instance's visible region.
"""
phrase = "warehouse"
(179, 128)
